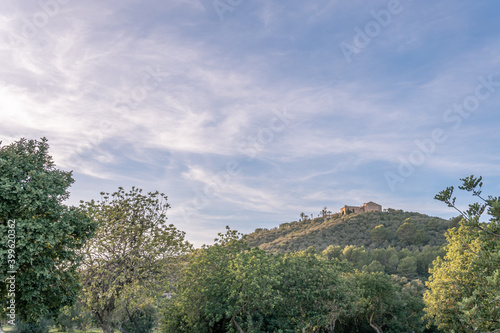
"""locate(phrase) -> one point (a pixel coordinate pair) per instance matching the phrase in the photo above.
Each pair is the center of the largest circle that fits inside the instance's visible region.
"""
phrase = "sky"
(247, 113)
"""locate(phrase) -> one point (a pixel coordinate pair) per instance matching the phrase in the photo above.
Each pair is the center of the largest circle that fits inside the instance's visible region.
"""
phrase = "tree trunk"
(377, 328)
(104, 316)
(331, 328)
(240, 330)
(106, 326)
(104, 320)
(333, 321)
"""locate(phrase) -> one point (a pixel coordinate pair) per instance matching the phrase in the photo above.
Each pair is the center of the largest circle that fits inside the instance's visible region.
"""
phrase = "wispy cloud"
(165, 95)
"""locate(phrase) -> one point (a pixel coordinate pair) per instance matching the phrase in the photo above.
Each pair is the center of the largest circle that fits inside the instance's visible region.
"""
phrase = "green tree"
(333, 252)
(388, 303)
(406, 232)
(374, 266)
(40, 236)
(408, 267)
(464, 288)
(410, 312)
(392, 263)
(133, 254)
(379, 234)
(252, 297)
(315, 294)
(432, 224)
(379, 299)
(426, 257)
(223, 288)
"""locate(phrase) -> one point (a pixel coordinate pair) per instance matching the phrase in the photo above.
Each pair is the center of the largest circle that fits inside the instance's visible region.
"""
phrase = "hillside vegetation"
(371, 230)
(391, 242)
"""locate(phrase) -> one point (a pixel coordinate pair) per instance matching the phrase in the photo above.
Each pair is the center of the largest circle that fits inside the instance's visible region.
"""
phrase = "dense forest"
(115, 263)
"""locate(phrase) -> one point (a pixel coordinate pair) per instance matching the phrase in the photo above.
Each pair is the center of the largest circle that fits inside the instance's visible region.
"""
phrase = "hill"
(370, 230)
(393, 241)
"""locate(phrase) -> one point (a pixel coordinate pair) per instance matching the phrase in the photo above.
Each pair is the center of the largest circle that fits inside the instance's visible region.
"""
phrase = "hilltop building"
(367, 207)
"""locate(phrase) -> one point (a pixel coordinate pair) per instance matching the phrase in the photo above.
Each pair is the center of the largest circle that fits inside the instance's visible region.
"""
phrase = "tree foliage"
(464, 293)
(229, 287)
(224, 288)
(406, 232)
(130, 259)
(380, 234)
(314, 291)
(47, 234)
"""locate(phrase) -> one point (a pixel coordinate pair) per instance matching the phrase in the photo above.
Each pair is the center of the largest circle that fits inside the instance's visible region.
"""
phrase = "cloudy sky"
(247, 113)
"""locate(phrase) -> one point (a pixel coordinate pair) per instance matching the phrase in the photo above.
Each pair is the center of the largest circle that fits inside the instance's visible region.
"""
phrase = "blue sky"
(247, 113)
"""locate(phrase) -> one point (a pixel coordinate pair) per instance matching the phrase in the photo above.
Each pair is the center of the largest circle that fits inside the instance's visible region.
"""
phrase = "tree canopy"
(464, 288)
(132, 256)
(47, 234)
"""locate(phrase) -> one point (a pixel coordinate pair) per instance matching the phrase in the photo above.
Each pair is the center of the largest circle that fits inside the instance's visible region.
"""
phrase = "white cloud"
(84, 81)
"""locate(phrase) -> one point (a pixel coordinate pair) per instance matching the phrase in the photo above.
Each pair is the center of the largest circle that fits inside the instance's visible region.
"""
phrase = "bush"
(42, 326)
(74, 317)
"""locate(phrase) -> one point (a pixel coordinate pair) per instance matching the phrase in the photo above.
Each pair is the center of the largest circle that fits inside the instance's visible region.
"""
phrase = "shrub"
(42, 326)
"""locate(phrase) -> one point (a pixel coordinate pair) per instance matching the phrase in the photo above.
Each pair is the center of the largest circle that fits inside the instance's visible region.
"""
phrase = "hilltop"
(392, 241)
(369, 229)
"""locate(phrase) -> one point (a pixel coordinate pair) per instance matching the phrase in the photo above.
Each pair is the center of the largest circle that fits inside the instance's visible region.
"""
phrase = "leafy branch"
(473, 214)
